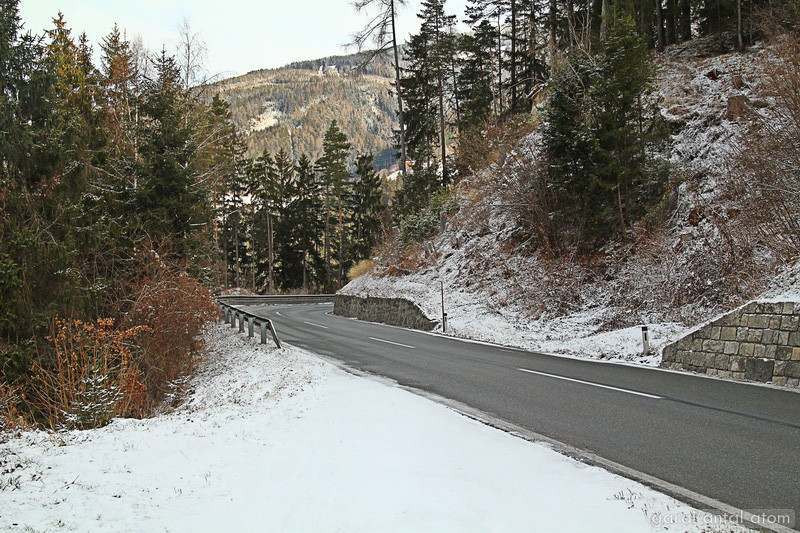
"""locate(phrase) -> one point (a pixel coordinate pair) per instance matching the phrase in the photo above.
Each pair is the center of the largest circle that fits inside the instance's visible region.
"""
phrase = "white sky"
(241, 35)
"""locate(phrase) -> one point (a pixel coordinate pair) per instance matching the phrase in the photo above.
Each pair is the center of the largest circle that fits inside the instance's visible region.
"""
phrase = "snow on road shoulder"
(469, 317)
(282, 440)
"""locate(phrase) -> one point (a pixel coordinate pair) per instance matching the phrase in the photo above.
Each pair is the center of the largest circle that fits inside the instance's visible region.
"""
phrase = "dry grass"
(360, 268)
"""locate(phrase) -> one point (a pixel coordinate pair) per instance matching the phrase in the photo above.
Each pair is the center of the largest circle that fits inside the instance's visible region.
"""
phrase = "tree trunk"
(499, 65)
(685, 20)
(603, 18)
(660, 37)
(670, 22)
(531, 81)
(270, 282)
(514, 55)
(553, 19)
(739, 32)
(327, 250)
(400, 114)
(341, 243)
(440, 82)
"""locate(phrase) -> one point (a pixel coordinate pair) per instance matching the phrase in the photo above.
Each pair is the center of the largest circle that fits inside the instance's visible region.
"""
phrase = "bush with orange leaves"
(90, 377)
(89, 372)
(174, 308)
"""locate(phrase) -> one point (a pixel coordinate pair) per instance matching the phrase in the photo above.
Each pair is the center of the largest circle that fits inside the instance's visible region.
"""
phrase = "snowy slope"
(497, 291)
(282, 441)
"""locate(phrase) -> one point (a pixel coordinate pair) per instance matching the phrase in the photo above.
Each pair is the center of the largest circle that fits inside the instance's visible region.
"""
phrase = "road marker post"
(444, 315)
(645, 340)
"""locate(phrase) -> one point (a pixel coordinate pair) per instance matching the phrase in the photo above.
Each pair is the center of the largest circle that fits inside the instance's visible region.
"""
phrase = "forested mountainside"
(291, 107)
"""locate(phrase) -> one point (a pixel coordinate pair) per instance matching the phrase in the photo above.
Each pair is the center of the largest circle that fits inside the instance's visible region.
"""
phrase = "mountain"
(290, 108)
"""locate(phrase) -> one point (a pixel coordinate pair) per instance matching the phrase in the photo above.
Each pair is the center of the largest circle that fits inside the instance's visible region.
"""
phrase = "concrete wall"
(759, 342)
(393, 311)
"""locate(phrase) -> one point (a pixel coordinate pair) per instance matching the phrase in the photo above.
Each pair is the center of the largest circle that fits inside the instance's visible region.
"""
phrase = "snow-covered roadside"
(282, 440)
(469, 317)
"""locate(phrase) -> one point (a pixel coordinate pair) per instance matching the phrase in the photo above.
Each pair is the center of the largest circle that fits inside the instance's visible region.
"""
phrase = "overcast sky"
(241, 35)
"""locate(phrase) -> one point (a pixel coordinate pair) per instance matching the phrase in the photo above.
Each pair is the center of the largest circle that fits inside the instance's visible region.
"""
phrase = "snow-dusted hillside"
(498, 290)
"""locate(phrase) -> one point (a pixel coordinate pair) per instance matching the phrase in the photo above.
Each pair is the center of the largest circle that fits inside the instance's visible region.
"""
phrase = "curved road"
(733, 442)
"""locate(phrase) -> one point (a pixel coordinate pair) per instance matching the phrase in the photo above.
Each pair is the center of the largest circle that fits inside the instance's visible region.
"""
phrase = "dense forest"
(125, 199)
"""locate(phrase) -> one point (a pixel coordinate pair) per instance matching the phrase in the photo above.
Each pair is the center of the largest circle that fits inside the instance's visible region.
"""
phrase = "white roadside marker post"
(444, 315)
(645, 340)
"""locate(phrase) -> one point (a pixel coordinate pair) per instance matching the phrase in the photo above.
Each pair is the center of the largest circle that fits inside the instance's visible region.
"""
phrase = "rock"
(737, 107)
(759, 370)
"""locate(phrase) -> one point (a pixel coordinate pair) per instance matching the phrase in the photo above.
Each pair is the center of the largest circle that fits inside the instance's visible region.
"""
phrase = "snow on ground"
(469, 316)
(280, 440)
(785, 287)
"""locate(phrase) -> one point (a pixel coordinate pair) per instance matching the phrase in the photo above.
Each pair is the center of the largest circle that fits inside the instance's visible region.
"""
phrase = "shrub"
(10, 414)
(766, 164)
(90, 377)
(418, 226)
(173, 308)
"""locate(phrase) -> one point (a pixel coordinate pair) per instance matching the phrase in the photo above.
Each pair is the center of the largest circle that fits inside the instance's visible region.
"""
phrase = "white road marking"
(395, 343)
(593, 384)
(319, 326)
(278, 313)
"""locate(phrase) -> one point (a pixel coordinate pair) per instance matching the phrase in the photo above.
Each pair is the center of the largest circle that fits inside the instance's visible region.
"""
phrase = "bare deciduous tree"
(192, 54)
(381, 31)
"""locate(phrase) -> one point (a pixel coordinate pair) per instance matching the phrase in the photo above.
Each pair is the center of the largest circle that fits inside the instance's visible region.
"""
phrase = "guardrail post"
(233, 318)
(274, 334)
(263, 326)
(250, 324)
(241, 322)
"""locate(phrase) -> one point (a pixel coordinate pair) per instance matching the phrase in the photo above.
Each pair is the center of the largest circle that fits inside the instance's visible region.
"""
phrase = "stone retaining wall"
(758, 342)
(392, 311)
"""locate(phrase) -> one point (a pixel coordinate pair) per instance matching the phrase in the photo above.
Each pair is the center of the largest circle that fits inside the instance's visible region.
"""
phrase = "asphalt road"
(733, 442)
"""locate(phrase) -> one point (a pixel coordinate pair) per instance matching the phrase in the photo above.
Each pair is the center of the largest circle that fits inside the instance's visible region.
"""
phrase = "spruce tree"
(335, 182)
(306, 215)
(171, 204)
(476, 77)
(365, 207)
(598, 136)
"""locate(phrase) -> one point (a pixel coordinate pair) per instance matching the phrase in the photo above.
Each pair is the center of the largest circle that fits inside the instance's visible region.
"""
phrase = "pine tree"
(365, 207)
(306, 220)
(171, 204)
(476, 76)
(335, 182)
(285, 256)
(598, 135)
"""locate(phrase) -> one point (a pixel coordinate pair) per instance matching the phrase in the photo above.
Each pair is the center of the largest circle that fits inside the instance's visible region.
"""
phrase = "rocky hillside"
(699, 256)
(291, 107)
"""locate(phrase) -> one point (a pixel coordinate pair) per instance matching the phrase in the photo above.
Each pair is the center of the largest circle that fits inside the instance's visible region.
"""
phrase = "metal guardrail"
(234, 316)
(276, 300)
